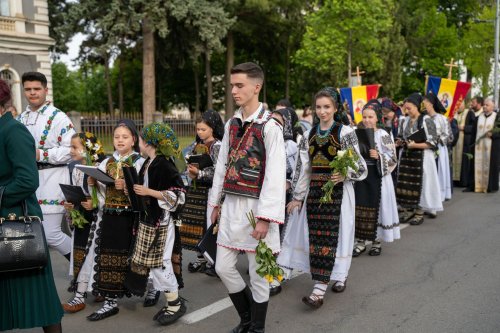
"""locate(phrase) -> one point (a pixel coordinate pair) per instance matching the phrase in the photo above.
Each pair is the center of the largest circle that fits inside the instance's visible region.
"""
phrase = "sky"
(73, 48)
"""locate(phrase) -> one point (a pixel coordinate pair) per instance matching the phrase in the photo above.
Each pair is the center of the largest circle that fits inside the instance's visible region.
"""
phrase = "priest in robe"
(487, 150)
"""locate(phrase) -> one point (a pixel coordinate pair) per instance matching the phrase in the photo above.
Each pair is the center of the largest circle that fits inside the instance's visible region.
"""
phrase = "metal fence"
(103, 129)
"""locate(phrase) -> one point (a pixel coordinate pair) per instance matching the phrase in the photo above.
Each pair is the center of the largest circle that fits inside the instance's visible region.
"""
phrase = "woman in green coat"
(27, 298)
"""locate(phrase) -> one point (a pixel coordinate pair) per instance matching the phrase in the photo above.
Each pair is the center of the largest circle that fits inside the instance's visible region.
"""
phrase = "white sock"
(319, 289)
(173, 301)
(109, 304)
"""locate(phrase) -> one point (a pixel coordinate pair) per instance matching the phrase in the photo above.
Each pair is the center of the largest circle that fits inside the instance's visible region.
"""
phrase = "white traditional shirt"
(52, 130)
(234, 227)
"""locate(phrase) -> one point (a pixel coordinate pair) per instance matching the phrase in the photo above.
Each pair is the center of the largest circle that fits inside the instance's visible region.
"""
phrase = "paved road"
(442, 276)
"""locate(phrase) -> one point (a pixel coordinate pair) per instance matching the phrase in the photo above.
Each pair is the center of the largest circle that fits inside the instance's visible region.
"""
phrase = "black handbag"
(22, 241)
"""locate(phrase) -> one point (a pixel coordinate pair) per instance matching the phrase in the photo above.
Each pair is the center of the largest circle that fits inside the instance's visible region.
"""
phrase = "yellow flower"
(269, 278)
(349, 153)
(280, 278)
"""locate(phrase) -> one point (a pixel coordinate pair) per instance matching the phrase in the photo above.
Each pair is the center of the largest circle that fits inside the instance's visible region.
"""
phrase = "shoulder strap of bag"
(24, 206)
(2, 189)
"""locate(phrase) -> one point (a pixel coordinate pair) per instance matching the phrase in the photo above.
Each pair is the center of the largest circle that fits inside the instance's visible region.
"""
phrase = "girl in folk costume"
(115, 236)
(163, 193)
(196, 213)
(287, 117)
(376, 208)
(436, 111)
(417, 188)
(85, 149)
(331, 225)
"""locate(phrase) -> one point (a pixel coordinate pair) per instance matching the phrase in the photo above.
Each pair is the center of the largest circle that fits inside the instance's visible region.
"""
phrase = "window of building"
(4, 8)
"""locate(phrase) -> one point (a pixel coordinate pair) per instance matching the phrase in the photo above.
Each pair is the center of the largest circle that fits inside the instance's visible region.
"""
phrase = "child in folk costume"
(84, 148)
(163, 193)
(250, 171)
(417, 188)
(115, 236)
(196, 213)
(331, 225)
(436, 111)
(376, 208)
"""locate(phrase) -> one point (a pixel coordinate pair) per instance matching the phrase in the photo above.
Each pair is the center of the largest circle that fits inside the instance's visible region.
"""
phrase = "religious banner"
(451, 93)
(356, 98)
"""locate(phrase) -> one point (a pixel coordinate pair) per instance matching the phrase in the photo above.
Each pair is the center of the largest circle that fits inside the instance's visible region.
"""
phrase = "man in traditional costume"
(486, 163)
(52, 130)
(469, 129)
(458, 151)
(250, 171)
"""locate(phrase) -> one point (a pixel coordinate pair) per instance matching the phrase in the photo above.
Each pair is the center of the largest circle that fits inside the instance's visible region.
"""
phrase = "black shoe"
(167, 316)
(243, 303)
(467, 190)
(152, 301)
(197, 266)
(100, 316)
(210, 271)
(274, 290)
(259, 312)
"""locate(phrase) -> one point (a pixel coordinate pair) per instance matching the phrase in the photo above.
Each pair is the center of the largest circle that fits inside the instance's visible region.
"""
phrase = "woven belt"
(43, 166)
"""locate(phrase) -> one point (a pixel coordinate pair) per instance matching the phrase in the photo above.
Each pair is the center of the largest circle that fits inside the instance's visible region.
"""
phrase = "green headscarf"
(162, 137)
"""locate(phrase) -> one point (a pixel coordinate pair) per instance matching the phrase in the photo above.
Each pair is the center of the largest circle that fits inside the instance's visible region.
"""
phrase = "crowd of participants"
(270, 162)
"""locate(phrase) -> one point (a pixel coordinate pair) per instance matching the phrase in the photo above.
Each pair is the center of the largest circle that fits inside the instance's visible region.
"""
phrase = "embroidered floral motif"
(50, 202)
(253, 162)
(47, 128)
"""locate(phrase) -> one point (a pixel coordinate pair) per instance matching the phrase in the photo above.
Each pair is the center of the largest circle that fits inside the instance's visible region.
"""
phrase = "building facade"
(24, 44)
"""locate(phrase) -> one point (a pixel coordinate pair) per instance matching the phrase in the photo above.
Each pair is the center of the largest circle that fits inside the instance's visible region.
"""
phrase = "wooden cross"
(358, 75)
(450, 65)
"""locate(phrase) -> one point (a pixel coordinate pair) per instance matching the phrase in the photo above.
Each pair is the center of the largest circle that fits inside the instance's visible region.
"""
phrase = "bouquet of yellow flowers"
(266, 261)
(344, 160)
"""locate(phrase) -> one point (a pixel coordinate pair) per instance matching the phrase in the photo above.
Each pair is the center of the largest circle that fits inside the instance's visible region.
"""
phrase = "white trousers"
(164, 279)
(225, 266)
(56, 238)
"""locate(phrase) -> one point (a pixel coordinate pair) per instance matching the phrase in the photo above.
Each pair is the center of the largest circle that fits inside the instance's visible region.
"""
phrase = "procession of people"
(306, 195)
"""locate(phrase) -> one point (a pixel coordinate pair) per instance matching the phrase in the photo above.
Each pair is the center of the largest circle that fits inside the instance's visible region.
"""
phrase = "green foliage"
(478, 47)
(66, 88)
(336, 29)
(301, 45)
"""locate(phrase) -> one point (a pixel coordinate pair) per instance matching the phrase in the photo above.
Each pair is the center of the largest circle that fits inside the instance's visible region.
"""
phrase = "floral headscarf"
(375, 105)
(162, 136)
(94, 151)
(290, 118)
(214, 121)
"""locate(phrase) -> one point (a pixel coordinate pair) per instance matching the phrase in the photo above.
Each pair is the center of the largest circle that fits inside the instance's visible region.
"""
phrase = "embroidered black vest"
(322, 150)
(247, 157)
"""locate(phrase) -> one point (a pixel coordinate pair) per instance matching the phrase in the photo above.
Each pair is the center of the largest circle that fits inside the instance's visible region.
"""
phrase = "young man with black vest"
(251, 174)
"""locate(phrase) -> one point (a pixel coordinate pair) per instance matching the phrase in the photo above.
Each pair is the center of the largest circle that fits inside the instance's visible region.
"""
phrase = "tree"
(478, 48)
(341, 34)
(431, 42)
(66, 87)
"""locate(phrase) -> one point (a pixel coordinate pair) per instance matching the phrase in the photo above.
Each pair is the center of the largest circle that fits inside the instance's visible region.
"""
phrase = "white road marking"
(207, 311)
(221, 305)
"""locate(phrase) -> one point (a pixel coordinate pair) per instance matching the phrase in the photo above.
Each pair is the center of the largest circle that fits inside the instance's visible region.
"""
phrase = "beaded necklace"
(322, 139)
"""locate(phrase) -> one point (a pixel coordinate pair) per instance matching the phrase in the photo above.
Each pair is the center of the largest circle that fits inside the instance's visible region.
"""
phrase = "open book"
(95, 173)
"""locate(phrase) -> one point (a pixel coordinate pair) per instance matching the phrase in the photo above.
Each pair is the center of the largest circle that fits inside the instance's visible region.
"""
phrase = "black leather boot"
(259, 312)
(243, 303)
